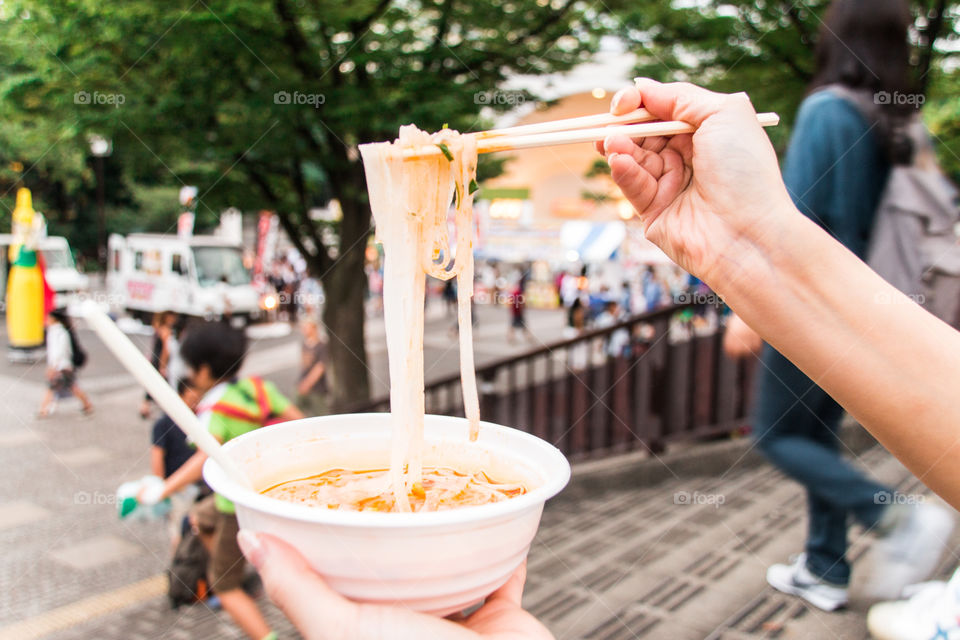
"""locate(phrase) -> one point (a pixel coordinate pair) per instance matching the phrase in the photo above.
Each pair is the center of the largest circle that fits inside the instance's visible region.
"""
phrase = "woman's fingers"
(636, 183)
(624, 101)
(512, 590)
(679, 101)
(290, 582)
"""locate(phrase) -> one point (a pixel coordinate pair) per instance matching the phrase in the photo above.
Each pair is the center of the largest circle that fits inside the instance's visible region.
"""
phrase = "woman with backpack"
(64, 357)
(835, 169)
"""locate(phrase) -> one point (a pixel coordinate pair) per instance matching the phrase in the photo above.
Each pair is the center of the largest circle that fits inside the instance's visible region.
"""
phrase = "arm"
(156, 461)
(190, 472)
(291, 413)
(739, 340)
(715, 203)
(313, 376)
(891, 364)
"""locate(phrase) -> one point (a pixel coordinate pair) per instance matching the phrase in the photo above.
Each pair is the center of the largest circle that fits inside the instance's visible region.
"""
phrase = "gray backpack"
(915, 242)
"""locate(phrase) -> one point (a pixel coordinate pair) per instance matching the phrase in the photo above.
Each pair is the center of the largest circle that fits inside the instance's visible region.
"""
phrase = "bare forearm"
(892, 365)
(190, 472)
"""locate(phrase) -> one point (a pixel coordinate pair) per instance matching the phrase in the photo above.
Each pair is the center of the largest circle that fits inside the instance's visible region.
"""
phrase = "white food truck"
(201, 276)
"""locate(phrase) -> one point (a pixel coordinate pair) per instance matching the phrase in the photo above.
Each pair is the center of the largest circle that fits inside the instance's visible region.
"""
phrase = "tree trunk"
(344, 314)
(345, 285)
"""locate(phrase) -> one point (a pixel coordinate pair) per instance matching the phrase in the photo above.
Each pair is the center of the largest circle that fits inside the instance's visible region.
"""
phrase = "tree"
(764, 47)
(262, 102)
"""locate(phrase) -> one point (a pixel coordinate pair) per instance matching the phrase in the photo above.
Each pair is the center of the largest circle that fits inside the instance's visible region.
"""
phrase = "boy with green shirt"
(229, 408)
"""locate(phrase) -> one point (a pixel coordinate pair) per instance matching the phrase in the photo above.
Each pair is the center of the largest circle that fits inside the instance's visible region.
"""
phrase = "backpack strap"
(262, 399)
(263, 402)
(232, 411)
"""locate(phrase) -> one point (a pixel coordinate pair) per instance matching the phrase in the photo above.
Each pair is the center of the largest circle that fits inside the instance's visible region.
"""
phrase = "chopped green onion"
(446, 151)
(474, 187)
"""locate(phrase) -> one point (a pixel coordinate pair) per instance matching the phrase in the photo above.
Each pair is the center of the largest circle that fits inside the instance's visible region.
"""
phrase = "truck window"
(138, 261)
(220, 264)
(177, 265)
(57, 257)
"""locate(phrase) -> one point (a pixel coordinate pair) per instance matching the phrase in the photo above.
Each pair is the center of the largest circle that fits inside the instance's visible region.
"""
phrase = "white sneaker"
(910, 552)
(797, 580)
(931, 613)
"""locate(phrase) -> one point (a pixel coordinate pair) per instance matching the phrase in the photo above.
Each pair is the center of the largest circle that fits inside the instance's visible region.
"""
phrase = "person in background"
(518, 307)
(169, 450)
(174, 366)
(312, 387)
(64, 356)
(230, 407)
(652, 289)
(449, 295)
(835, 170)
(618, 342)
(160, 324)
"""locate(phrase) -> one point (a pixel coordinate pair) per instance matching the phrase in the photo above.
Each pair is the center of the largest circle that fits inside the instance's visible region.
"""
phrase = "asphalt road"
(274, 350)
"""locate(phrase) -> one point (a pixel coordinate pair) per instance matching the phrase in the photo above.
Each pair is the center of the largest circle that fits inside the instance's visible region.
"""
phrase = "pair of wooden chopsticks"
(637, 124)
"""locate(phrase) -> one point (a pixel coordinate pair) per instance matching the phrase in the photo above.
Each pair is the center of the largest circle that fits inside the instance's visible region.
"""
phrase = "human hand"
(739, 340)
(152, 491)
(322, 614)
(703, 197)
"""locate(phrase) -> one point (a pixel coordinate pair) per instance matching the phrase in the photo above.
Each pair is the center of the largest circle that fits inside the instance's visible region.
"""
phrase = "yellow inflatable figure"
(25, 283)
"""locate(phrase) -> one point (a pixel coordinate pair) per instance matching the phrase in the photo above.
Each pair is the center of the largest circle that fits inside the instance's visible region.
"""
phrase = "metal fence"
(643, 383)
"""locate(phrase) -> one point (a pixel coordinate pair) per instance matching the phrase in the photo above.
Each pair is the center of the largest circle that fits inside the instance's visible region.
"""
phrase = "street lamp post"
(100, 148)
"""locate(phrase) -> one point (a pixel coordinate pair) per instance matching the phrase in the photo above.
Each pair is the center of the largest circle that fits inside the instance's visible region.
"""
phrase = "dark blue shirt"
(834, 168)
(173, 441)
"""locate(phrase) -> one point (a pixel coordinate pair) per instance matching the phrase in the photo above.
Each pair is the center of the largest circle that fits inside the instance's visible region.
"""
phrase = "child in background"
(230, 407)
(169, 450)
(64, 357)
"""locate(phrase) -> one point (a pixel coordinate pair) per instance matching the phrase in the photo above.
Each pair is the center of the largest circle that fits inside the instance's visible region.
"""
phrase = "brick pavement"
(630, 550)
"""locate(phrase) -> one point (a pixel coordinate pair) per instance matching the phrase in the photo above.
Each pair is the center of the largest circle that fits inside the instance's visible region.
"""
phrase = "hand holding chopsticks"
(636, 124)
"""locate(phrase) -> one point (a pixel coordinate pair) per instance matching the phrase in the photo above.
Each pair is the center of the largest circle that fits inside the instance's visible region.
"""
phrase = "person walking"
(312, 386)
(835, 170)
(64, 357)
(161, 323)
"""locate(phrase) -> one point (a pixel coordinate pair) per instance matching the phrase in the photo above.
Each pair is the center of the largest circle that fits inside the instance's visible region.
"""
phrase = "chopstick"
(568, 124)
(511, 141)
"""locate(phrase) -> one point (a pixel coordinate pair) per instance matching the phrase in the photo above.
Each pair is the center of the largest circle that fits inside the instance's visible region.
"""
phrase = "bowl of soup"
(441, 560)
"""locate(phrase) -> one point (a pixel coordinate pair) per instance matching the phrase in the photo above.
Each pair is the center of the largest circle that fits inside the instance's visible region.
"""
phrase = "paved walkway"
(634, 548)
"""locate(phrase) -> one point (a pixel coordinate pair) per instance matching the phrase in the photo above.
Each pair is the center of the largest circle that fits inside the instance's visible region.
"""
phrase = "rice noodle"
(410, 199)
(440, 489)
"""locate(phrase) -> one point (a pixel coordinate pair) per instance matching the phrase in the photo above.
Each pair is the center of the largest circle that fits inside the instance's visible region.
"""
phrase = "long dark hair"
(863, 45)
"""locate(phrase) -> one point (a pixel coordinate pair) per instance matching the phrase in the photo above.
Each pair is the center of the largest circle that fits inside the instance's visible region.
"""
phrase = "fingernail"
(251, 546)
(616, 100)
(640, 79)
(611, 157)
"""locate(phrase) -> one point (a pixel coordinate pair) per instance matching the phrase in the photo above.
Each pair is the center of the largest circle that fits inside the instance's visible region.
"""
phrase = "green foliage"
(942, 115)
(763, 47)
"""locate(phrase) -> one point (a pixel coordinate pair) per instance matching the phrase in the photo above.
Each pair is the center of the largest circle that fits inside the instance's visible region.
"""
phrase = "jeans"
(796, 426)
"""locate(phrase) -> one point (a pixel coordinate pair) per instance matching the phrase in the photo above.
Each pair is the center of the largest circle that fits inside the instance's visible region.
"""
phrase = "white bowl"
(439, 562)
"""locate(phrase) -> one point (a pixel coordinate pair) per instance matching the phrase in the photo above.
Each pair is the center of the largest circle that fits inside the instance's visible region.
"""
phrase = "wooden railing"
(591, 398)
